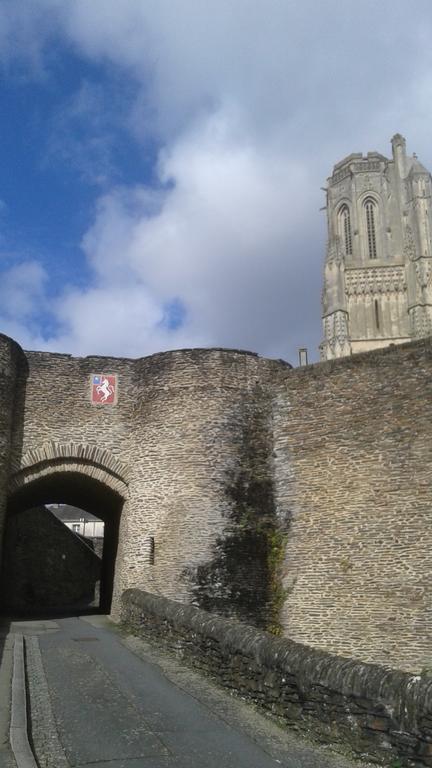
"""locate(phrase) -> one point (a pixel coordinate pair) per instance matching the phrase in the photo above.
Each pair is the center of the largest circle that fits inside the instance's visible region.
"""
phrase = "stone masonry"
(298, 500)
(382, 715)
(353, 471)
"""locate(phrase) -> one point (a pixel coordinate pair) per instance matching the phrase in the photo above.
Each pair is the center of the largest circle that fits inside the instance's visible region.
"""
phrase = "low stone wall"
(380, 713)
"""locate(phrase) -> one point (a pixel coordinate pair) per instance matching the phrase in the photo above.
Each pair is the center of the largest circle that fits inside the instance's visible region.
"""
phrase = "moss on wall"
(243, 577)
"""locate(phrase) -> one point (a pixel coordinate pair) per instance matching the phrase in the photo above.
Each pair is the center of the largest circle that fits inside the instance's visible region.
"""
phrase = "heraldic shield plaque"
(104, 388)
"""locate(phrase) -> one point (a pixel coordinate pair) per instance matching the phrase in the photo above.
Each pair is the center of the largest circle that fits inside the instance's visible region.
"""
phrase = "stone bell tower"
(378, 270)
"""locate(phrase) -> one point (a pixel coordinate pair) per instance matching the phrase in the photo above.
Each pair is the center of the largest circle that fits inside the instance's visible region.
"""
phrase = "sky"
(162, 162)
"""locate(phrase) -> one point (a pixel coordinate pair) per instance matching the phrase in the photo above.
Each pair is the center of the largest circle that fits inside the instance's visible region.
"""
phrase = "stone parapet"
(380, 713)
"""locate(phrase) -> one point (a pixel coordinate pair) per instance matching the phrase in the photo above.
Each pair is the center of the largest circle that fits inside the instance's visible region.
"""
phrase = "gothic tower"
(378, 269)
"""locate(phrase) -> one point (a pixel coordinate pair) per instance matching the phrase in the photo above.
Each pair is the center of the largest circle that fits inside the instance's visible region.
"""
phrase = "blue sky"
(62, 145)
(162, 162)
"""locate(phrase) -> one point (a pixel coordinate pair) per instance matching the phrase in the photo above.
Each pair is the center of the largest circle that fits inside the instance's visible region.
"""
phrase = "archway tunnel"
(46, 568)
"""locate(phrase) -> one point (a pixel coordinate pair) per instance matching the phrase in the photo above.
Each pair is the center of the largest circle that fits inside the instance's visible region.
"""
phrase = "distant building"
(79, 521)
(378, 270)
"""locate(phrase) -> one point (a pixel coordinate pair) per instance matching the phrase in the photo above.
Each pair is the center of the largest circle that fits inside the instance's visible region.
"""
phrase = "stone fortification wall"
(58, 407)
(200, 428)
(379, 713)
(223, 462)
(191, 429)
(11, 358)
(201, 477)
(353, 470)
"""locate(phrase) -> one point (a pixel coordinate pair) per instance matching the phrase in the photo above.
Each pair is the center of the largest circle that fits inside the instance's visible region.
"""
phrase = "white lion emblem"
(105, 389)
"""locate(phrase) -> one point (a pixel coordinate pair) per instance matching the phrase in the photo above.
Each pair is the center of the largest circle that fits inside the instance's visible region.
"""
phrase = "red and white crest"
(103, 388)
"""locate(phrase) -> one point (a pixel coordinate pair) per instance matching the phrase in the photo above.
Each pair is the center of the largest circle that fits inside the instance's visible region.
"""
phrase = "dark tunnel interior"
(45, 568)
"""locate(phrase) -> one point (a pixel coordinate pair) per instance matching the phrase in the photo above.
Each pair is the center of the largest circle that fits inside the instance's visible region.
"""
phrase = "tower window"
(377, 319)
(346, 229)
(370, 208)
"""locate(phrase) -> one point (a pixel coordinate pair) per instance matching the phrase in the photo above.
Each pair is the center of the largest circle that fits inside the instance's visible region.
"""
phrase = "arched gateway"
(44, 565)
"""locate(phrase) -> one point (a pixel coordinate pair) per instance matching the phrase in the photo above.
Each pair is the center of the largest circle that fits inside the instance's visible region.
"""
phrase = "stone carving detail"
(423, 269)
(343, 190)
(367, 167)
(336, 335)
(421, 321)
(409, 244)
(324, 296)
(362, 185)
(375, 281)
(335, 251)
(341, 175)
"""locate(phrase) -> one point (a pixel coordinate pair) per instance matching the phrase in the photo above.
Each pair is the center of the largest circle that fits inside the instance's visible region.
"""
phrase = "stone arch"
(345, 226)
(81, 475)
(371, 232)
(52, 457)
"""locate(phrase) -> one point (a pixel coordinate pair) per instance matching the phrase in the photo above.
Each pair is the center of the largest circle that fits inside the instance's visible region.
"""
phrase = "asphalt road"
(115, 702)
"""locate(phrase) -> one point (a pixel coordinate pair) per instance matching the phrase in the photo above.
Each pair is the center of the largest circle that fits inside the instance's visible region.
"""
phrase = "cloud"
(250, 105)
(305, 69)
(213, 239)
(22, 293)
(21, 289)
(86, 129)
(25, 30)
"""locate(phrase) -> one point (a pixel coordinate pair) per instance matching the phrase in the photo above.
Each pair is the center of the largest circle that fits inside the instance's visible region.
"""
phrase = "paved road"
(118, 703)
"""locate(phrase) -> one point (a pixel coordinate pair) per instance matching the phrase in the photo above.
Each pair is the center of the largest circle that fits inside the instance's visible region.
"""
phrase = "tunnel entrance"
(49, 567)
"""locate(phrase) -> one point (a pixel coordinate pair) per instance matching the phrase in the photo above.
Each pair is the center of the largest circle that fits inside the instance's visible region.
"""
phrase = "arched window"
(377, 315)
(370, 209)
(345, 220)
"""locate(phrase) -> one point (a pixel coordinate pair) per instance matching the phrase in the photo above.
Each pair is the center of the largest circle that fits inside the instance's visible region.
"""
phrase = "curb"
(18, 727)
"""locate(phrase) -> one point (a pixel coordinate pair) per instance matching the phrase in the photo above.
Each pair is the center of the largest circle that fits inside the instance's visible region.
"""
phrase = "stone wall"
(46, 565)
(353, 471)
(216, 460)
(193, 412)
(190, 433)
(379, 713)
(10, 356)
(202, 430)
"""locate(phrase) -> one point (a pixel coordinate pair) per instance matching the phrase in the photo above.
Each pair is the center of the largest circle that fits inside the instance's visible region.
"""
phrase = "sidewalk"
(6, 657)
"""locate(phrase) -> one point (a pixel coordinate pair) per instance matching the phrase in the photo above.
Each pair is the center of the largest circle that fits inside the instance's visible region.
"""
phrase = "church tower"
(378, 269)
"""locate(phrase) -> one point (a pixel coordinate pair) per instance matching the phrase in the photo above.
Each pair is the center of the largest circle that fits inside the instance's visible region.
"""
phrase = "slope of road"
(102, 700)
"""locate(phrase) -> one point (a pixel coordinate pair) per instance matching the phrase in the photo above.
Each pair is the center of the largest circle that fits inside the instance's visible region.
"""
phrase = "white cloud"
(22, 292)
(251, 103)
(109, 319)
(21, 289)
(216, 239)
